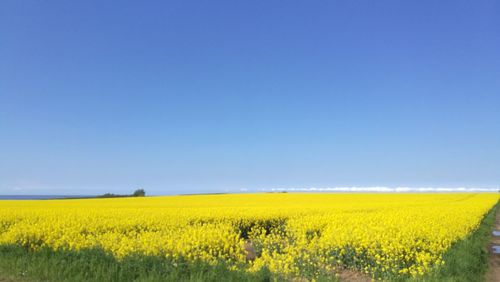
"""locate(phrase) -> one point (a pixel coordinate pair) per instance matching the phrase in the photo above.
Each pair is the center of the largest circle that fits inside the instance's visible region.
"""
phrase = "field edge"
(468, 259)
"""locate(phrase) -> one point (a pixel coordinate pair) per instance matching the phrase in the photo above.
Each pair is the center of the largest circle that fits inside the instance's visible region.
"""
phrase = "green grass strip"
(19, 264)
(467, 260)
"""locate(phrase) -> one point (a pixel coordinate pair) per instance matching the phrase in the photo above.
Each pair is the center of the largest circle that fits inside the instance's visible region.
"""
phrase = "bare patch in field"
(4, 279)
(352, 276)
(249, 249)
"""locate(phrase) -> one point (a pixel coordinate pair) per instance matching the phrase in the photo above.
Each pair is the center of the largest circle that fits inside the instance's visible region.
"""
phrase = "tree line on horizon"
(137, 193)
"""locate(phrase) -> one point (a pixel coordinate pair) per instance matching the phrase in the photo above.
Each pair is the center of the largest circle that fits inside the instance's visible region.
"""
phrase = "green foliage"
(139, 193)
(17, 263)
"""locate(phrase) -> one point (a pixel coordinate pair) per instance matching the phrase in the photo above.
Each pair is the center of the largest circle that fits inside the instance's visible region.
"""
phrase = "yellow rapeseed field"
(379, 234)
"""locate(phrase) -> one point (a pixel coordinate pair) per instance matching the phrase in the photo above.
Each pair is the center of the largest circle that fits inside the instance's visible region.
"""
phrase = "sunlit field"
(380, 236)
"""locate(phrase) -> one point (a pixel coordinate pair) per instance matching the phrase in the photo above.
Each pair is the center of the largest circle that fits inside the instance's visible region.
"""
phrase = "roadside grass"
(467, 260)
(19, 264)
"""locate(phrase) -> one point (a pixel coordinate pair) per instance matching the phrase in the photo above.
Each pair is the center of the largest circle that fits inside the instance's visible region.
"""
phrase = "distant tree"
(139, 193)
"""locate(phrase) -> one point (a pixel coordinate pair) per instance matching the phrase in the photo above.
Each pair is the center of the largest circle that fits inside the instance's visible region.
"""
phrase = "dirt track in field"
(493, 274)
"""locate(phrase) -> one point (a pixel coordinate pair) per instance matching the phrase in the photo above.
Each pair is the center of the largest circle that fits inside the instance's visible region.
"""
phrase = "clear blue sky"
(209, 96)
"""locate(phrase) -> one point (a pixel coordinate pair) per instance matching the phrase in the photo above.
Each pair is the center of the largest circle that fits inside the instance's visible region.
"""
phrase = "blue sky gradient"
(214, 96)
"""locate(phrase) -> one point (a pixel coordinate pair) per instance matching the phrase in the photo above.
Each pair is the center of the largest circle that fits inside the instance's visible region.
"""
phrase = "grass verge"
(467, 260)
(18, 264)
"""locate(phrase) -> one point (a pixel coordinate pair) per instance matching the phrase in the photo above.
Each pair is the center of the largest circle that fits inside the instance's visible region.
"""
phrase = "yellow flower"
(405, 234)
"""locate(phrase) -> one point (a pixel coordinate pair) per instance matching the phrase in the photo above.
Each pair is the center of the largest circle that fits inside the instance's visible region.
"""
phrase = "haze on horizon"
(177, 97)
